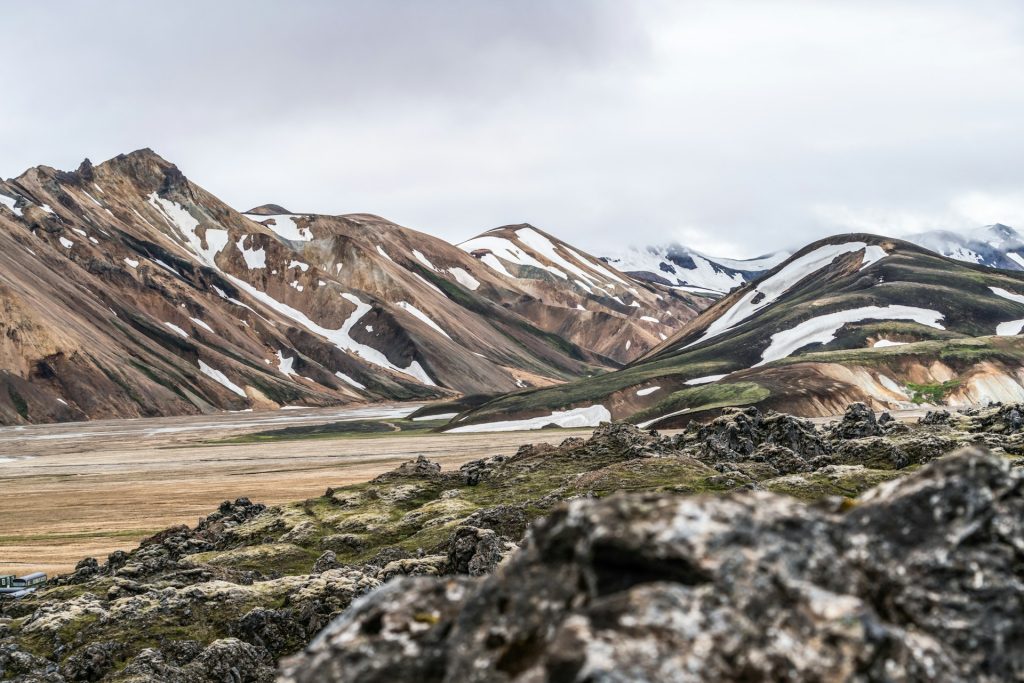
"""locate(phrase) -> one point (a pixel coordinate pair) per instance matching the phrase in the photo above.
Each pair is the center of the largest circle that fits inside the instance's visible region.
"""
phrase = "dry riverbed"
(75, 490)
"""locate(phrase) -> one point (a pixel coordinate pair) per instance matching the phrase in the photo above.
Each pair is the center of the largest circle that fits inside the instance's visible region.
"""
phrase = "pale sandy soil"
(71, 491)
(85, 489)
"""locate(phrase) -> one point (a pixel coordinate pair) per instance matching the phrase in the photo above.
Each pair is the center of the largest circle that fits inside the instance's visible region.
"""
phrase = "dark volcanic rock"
(625, 439)
(420, 468)
(406, 640)
(473, 551)
(226, 660)
(920, 581)
(1006, 420)
(936, 417)
(739, 434)
(858, 422)
(327, 561)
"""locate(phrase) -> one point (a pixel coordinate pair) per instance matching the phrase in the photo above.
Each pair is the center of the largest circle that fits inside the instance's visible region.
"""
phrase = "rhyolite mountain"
(128, 290)
(849, 318)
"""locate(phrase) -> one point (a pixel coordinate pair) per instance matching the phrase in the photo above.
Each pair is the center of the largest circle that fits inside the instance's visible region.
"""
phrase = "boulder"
(473, 551)
(857, 422)
(327, 561)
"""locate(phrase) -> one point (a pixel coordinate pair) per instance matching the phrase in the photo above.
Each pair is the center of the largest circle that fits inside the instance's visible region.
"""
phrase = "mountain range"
(128, 290)
(850, 318)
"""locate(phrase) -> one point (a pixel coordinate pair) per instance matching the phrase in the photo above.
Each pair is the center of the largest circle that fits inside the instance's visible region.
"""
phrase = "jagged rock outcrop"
(918, 582)
(857, 422)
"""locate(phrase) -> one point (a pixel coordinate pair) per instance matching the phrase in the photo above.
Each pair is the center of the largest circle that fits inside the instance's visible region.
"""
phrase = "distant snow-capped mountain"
(679, 266)
(996, 246)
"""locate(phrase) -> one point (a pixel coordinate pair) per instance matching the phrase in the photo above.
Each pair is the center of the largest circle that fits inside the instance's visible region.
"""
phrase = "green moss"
(20, 405)
(270, 559)
(849, 482)
(705, 397)
(337, 430)
(159, 379)
(931, 393)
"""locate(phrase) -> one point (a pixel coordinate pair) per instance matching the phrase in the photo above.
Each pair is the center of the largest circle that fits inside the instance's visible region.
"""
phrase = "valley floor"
(86, 489)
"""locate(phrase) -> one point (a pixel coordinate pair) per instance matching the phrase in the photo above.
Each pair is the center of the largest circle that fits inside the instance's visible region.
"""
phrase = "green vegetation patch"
(848, 481)
(705, 397)
(19, 402)
(337, 430)
(931, 393)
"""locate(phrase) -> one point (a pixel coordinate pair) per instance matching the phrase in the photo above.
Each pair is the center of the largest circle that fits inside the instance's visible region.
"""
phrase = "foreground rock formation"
(919, 581)
(916, 579)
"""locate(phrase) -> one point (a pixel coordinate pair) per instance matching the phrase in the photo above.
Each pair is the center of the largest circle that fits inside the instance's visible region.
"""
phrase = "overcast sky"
(734, 127)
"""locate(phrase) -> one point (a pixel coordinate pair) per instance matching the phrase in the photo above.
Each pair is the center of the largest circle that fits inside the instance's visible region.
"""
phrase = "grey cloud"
(737, 126)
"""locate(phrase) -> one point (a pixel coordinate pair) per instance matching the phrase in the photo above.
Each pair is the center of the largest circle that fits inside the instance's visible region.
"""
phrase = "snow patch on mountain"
(380, 250)
(679, 266)
(996, 246)
(590, 416)
(872, 254)
(494, 263)
(186, 224)
(203, 325)
(465, 279)
(424, 260)
(339, 337)
(600, 269)
(254, 258)
(770, 289)
(502, 249)
(348, 380)
(1010, 328)
(286, 365)
(822, 329)
(221, 378)
(176, 329)
(708, 379)
(1006, 294)
(420, 315)
(284, 226)
(9, 202)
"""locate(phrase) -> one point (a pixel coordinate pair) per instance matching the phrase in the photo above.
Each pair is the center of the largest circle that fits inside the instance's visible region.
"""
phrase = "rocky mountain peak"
(268, 210)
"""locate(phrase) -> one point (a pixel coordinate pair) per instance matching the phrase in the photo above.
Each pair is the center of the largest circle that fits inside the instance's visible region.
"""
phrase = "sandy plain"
(70, 491)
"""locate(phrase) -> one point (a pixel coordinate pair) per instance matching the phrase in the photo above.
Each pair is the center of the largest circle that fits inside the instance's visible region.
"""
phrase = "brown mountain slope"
(128, 290)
